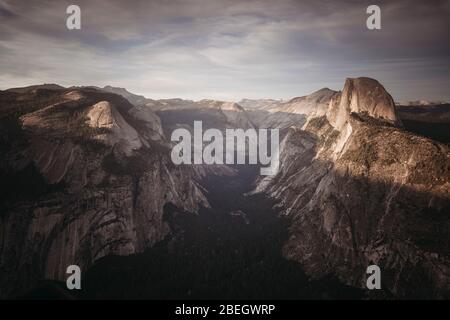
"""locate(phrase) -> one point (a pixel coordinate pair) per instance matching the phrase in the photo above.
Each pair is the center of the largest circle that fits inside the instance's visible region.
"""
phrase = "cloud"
(227, 49)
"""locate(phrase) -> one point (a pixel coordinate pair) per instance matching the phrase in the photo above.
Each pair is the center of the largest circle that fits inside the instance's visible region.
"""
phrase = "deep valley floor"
(229, 251)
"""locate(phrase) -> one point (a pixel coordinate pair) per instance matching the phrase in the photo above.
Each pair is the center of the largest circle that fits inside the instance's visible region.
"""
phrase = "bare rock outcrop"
(98, 177)
(359, 190)
(363, 96)
(103, 115)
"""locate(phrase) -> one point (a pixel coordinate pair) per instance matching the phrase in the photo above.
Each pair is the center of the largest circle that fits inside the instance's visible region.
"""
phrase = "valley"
(87, 179)
(215, 254)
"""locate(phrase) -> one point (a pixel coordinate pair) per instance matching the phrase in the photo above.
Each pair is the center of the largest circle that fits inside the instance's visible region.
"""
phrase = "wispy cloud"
(227, 49)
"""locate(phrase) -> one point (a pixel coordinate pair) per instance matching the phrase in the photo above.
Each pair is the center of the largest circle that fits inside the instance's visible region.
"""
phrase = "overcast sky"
(227, 49)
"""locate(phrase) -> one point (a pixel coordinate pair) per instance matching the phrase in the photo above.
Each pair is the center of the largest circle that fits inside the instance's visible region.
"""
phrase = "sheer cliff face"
(363, 96)
(359, 190)
(97, 173)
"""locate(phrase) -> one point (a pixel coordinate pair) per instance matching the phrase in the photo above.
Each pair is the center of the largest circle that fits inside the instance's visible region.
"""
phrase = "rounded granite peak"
(364, 96)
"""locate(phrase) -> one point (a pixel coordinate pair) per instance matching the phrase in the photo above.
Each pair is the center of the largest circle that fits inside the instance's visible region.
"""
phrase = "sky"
(228, 49)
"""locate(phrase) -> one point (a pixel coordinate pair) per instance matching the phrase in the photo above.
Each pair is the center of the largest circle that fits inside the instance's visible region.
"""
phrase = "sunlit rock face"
(94, 175)
(363, 96)
(103, 115)
(359, 190)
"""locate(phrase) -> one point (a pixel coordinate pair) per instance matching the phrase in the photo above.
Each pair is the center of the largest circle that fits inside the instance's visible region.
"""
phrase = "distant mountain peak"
(47, 86)
(133, 98)
(423, 102)
(223, 105)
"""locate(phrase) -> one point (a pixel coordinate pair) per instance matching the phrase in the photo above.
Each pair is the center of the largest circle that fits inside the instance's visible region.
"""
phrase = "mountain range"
(86, 175)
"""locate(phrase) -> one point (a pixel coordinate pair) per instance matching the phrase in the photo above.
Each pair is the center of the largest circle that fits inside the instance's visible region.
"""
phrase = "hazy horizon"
(210, 98)
(228, 50)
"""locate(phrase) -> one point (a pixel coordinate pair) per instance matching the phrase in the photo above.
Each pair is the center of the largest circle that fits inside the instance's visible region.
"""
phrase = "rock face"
(103, 115)
(359, 190)
(363, 96)
(176, 112)
(282, 115)
(84, 174)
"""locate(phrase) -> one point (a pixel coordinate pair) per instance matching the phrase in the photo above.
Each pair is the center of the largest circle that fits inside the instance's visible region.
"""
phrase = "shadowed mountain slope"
(359, 190)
